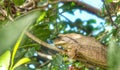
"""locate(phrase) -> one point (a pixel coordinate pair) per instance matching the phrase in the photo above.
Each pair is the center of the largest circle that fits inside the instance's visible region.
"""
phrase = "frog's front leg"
(71, 51)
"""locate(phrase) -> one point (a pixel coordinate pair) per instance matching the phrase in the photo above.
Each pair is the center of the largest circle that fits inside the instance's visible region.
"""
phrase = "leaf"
(91, 21)
(16, 48)
(5, 60)
(20, 62)
(57, 61)
(41, 17)
(18, 2)
(109, 1)
(73, 4)
(114, 55)
(10, 33)
(30, 52)
(23, 67)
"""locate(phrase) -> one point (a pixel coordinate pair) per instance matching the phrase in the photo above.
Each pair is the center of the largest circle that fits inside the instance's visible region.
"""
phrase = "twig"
(45, 63)
(109, 14)
(42, 42)
(86, 7)
(45, 55)
(65, 17)
(3, 12)
(49, 57)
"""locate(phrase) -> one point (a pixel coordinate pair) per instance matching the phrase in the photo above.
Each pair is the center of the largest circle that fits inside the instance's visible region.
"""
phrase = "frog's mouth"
(59, 43)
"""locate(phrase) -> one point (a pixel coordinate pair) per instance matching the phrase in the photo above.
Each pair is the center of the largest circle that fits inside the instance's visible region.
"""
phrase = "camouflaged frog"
(83, 48)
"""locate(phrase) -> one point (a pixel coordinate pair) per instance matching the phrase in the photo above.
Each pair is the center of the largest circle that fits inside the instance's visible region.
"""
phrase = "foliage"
(56, 64)
(17, 27)
(20, 25)
(46, 23)
(5, 60)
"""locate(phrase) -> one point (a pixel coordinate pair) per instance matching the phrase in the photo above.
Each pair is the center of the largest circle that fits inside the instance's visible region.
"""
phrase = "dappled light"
(59, 34)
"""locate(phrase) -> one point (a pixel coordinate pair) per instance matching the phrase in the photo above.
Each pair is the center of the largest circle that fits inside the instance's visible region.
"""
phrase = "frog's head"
(71, 35)
(60, 41)
(64, 40)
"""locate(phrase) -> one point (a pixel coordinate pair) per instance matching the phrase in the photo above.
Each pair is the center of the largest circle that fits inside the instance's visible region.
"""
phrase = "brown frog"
(83, 48)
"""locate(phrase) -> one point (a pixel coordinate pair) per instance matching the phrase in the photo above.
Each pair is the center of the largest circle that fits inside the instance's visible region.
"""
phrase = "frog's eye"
(58, 37)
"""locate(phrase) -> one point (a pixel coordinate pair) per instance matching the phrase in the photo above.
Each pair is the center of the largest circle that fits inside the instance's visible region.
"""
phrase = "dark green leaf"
(30, 52)
(91, 21)
(57, 61)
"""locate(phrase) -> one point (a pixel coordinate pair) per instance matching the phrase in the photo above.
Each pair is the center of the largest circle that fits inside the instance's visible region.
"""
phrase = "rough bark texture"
(83, 48)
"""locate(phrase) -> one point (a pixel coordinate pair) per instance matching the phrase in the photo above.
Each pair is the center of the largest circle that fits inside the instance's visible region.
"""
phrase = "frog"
(83, 48)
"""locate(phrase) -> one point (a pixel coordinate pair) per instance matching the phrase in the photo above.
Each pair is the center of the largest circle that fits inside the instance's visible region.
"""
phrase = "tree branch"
(45, 63)
(85, 7)
(42, 42)
(109, 14)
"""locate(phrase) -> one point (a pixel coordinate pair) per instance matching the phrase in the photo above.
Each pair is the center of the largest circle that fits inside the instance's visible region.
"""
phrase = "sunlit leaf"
(16, 48)
(5, 60)
(72, 4)
(18, 2)
(109, 0)
(10, 33)
(20, 62)
(41, 17)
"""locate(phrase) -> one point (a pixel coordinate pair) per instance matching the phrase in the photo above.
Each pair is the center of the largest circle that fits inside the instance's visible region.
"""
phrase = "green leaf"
(23, 67)
(20, 62)
(18, 2)
(91, 21)
(57, 61)
(109, 1)
(114, 55)
(13, 29)
(73, 4)
(5, 60)
(30, 52)
(41, 17)
(16, 48)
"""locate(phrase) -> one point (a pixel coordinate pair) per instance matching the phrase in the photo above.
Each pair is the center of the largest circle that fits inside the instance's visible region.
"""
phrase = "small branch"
(42, 42)
(3, 12)
(2, 18)
(28, 4)
(86, 7)
(49, 57)
(45, 55)
(45, 63)
(65, 17)
(109, 14)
